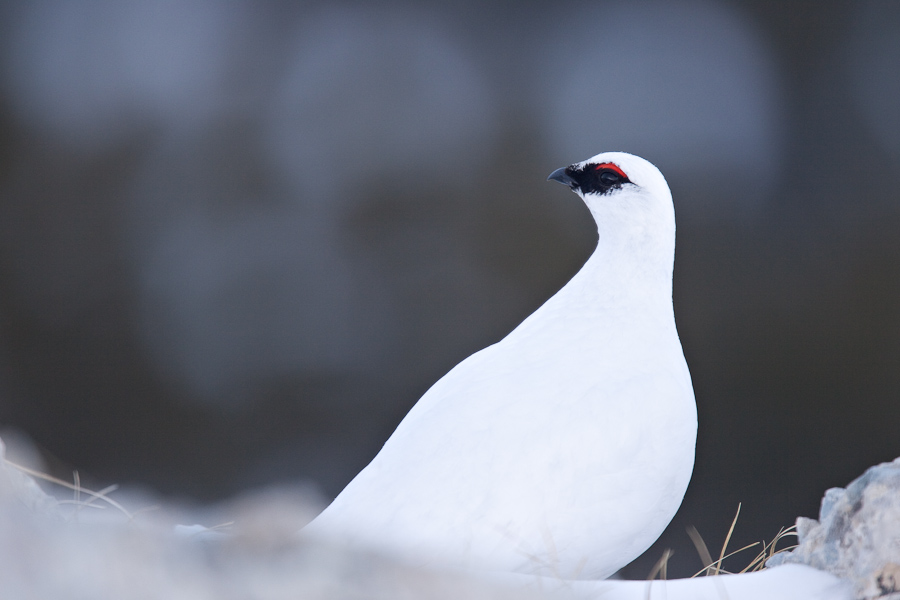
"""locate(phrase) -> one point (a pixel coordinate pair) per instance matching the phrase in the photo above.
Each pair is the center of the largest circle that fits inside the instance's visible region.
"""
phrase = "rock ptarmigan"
(566, 448)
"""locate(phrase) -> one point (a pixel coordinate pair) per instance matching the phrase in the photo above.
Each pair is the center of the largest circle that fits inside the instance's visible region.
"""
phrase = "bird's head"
(630, 201)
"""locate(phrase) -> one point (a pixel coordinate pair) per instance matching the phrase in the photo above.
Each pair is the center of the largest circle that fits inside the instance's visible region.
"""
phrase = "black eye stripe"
(596, 179)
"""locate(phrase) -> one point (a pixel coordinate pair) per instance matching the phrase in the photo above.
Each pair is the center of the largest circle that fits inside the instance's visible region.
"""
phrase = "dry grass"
(92, 500)
(714, 567)
(661, 567)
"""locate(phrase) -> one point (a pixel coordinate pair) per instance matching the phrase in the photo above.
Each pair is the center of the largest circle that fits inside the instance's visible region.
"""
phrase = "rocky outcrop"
(857, 536)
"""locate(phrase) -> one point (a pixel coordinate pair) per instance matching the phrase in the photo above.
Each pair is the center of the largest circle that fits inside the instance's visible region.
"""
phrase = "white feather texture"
(566, 448)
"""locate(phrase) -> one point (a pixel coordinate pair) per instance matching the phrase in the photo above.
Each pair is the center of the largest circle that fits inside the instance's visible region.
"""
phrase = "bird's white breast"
(541, 453)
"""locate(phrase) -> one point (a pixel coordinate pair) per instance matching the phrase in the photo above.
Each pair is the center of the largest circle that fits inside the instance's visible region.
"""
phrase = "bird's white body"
(564, 449)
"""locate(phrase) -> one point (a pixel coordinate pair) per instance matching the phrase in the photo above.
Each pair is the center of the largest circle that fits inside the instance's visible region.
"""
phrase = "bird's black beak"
(561, 176)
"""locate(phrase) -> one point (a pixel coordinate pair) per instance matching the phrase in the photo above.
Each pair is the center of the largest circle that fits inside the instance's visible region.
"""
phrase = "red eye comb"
(611, 167)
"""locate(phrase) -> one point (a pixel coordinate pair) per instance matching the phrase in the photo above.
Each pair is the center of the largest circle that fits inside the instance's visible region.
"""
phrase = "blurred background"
(238, 240)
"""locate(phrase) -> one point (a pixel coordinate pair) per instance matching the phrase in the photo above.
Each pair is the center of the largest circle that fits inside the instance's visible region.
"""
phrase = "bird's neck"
(630, 272)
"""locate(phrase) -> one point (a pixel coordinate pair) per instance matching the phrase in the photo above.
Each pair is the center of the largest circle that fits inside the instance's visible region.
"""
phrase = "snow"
(52, 550)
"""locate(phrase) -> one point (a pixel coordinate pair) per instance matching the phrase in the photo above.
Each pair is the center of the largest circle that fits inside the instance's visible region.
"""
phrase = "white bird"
(566, 448)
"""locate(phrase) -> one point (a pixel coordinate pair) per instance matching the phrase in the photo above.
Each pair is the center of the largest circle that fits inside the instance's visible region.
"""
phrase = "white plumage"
(564, 449)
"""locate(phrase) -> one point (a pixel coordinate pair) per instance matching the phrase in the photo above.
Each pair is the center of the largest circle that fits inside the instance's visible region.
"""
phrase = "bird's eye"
(609, 177)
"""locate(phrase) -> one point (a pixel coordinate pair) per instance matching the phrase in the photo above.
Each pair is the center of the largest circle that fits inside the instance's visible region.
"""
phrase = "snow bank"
(53, 549)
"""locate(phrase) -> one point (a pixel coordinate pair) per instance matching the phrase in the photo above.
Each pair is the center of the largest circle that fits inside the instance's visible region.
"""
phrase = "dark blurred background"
(238, 240)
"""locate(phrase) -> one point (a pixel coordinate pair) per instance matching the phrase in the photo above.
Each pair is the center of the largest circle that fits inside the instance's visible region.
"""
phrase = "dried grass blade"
(702, 550)
(661, 566)
(727, 539)
(70, 486)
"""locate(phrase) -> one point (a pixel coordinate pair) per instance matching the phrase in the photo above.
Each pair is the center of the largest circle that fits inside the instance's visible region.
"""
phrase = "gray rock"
(857, 536)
